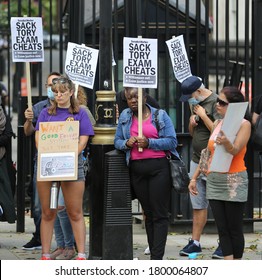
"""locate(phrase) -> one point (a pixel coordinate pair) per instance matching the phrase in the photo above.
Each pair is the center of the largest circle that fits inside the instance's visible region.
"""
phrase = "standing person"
(121, 104)
(65, 108)
(227, 192)
(63, 230)
(149, 169)
(203, 107)
(31, 116)
(7, 204)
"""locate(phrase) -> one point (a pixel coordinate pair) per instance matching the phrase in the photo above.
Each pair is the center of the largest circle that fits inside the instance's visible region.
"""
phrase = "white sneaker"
(147, 251)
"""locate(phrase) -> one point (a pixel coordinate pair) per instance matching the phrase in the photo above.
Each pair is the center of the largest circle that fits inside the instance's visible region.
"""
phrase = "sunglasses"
(61, 80)
(222, 103)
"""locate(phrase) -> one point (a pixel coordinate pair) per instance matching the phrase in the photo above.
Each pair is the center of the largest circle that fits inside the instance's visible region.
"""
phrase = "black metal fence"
(221, 37)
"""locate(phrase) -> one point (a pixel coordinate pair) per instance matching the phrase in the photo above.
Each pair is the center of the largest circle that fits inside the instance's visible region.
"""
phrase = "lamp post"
(103, 140)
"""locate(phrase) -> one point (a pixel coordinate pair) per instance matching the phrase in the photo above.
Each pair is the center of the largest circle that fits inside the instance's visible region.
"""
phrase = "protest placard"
(140, 62)
(221, 160)
(80, 64)
(27, 39)
(58, 151)
(179, 59)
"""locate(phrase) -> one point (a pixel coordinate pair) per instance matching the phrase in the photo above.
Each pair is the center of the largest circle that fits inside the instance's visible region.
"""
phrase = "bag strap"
(168, 154)
(156, 119)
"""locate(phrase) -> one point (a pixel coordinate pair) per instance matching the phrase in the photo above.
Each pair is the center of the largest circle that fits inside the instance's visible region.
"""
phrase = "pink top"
(149, 131)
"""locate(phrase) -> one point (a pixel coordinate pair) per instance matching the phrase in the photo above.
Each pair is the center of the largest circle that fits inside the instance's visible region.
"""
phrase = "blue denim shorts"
(81, 175)
(80, 171)
(198, 201)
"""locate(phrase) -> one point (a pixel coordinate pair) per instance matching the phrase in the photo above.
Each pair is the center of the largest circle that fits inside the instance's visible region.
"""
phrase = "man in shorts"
(202, 104)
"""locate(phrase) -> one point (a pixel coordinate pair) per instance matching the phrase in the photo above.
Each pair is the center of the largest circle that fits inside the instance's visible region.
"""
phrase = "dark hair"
(234, 95)
(144, 93)
(54, 73)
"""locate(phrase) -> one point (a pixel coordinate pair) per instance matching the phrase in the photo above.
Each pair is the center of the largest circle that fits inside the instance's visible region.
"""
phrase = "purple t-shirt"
(62, 114)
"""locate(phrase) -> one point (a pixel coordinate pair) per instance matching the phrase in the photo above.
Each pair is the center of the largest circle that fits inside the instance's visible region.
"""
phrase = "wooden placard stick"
(76, 89)
(28, 85)
(140, 115)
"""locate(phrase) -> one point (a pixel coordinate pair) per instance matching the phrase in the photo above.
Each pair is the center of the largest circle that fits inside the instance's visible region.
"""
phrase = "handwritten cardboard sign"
(179, 59)
(80, 64)
(140, 63)
(58, 151)
(27, 39)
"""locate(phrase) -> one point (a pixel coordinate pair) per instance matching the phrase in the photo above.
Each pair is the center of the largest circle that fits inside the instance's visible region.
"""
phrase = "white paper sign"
(140, 63)
(179, 59)
(27, 39)
(80, 64)
(231, 124)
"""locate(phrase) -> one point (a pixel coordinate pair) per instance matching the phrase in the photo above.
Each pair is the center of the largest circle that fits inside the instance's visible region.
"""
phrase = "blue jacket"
(167, 140)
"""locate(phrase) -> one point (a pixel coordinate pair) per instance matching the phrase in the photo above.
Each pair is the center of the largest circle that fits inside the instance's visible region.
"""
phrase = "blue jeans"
(37, 212)
(63, 230)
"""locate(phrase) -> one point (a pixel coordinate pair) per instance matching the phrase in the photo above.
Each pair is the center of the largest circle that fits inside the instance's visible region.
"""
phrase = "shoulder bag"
(178, 171)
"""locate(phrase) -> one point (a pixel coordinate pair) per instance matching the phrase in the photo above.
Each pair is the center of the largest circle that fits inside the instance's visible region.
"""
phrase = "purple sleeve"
(41, 118)
(86, 127)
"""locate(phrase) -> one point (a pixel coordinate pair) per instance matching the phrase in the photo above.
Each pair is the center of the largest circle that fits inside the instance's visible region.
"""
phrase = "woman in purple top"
(65, 108)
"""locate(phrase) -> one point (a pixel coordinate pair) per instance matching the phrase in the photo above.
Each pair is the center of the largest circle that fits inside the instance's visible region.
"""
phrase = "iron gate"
(221, 39)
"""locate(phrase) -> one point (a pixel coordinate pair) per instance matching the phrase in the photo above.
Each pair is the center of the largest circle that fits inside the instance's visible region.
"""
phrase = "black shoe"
(33, 244)
(191, 247)
(218, 254)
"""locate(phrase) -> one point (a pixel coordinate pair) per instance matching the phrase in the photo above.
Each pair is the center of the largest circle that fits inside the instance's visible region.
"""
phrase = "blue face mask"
(193, 101)
(50, 94)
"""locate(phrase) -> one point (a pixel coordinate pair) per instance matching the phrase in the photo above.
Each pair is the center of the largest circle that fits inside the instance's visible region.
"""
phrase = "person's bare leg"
(230, 257)
(48, 216)
(199, 222)
(73, 194)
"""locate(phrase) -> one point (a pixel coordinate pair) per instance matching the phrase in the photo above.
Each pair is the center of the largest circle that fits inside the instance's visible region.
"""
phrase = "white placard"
(80, 64)
(140, 62)
(27, 39)
(179, 59)
(231, 124)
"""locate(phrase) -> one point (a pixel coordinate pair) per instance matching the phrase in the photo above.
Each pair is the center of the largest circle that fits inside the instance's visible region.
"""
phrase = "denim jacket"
(167, 140)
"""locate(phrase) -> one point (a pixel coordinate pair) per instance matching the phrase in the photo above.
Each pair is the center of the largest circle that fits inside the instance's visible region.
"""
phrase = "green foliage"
(33, 11)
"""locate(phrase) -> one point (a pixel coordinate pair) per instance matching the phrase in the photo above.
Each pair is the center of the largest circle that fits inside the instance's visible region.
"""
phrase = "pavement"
(11, 243)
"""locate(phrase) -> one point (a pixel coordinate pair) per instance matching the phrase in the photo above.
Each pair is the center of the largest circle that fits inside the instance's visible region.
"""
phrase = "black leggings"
(151, 183)
(229, 220)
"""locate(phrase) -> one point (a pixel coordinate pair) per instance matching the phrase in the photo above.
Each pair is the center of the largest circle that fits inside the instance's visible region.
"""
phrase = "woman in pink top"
(149, 169)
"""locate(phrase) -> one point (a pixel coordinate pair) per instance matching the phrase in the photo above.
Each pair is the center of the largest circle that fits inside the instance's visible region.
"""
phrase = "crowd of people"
(146, 157)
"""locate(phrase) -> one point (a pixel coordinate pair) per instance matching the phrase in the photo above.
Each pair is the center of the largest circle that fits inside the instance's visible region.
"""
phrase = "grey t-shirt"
(201, 133)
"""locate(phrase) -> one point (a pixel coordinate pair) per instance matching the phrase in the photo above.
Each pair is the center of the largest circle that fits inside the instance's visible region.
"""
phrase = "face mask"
(193, 101)
(200, 98)
(50, 94)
